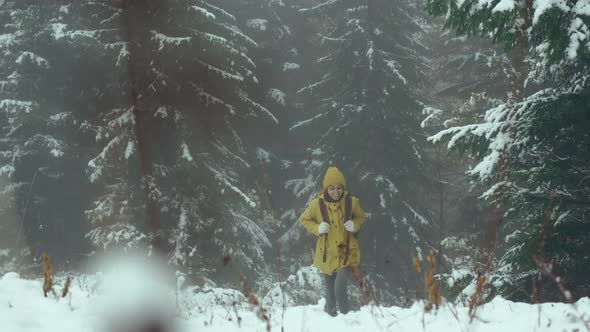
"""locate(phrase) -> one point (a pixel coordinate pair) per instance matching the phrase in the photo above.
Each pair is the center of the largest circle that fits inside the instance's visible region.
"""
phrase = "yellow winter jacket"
(336, 246)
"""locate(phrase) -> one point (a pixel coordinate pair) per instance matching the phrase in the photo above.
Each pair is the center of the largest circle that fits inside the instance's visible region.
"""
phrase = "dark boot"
(330, 306)
(341, 290)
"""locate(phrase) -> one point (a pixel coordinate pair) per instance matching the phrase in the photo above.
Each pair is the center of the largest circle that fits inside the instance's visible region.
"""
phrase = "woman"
(334, 217)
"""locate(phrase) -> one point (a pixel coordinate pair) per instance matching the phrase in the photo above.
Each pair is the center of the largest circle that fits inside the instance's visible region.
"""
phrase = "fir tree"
(532, 149)
(467, 76)
(363, 111)
(174, 157)
(41, 167)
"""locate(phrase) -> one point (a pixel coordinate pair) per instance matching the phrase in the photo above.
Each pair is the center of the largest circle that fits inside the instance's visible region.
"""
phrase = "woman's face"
(335, 191)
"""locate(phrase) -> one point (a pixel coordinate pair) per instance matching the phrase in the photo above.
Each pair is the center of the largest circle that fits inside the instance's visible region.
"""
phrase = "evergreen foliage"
(177, 142)
(156, 97)
(41, 167)
(538, 138)
(362, 116)
(185, 126)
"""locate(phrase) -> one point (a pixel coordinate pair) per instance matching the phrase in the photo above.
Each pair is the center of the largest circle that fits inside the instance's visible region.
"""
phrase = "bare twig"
(547, 268)
(66, 288)
(477, 297)
(47, 275)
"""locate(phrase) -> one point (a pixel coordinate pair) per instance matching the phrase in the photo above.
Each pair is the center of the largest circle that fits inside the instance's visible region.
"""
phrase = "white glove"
(349, 225)
(323, 228)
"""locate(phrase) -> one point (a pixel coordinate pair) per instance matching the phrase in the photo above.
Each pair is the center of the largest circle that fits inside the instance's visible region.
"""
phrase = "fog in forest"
(201, 130)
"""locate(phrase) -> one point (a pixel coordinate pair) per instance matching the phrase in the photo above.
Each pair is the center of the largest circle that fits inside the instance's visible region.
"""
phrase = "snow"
(204, 12)
(164, 40)
(220, 72)
(60, 117)
(262, 155)
(433, 114)
(257, 24)
(422, 220)
(235, 32)
(7, 170)
(220, 12)
(290, 66)
(180, 238)
(541, 6)
(58, 30)
(394, 65)
(227, 152)
(124, 55)
(32, 58)
(390, 186)
(130, 149)
(561, 218)
(13, 106)
(255, 232)
(491, 129)
(307, 121)
(161, 112)
(186, 154)
(578, 32)
(7, 40)
(223, 43)
(257, 107)
(301, 186)
(504, 6)
(55, 146)
(116, 235)
(370, 55)
(123, 297)
(277, 95)
(97, 163)
(382, 200)
(112, 19)
(319, 6)
(309, 88)
(226, 181)
(582, 7)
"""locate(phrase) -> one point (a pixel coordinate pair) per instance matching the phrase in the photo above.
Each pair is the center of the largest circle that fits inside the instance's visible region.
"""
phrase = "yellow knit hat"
(333, 175)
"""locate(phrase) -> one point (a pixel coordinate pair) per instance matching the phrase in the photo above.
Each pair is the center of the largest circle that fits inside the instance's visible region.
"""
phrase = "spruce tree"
(467, 76)
(175, 165)
(362, 115)
(532, 149)
(41, 165)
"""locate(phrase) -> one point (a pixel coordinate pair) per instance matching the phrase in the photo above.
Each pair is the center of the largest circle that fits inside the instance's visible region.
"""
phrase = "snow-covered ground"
(123, 298)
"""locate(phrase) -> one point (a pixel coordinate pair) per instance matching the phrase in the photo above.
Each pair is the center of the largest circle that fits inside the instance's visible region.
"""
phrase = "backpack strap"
(324, 212)
(347, 216)
(347, 207)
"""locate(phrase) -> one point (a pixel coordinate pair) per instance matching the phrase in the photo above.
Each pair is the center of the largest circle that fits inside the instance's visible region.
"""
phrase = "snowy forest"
(200, 130)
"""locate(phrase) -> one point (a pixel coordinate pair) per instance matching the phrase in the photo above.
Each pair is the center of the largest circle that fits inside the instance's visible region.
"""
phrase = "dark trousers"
(336, 292)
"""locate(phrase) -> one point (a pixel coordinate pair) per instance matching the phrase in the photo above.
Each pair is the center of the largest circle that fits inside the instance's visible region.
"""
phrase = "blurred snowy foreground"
(132, 299)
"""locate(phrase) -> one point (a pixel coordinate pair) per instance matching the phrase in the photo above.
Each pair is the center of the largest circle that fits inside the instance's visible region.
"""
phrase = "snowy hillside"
(119, 304)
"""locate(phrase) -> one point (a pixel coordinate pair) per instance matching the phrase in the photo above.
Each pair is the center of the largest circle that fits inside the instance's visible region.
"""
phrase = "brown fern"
(66, 288)
(47, 275)
(477, 297)
(547, 268)
(431, 284)
(253, 299)
(416, 263)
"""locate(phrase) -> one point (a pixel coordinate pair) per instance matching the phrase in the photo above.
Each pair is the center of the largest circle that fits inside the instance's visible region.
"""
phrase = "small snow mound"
(10, 275)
